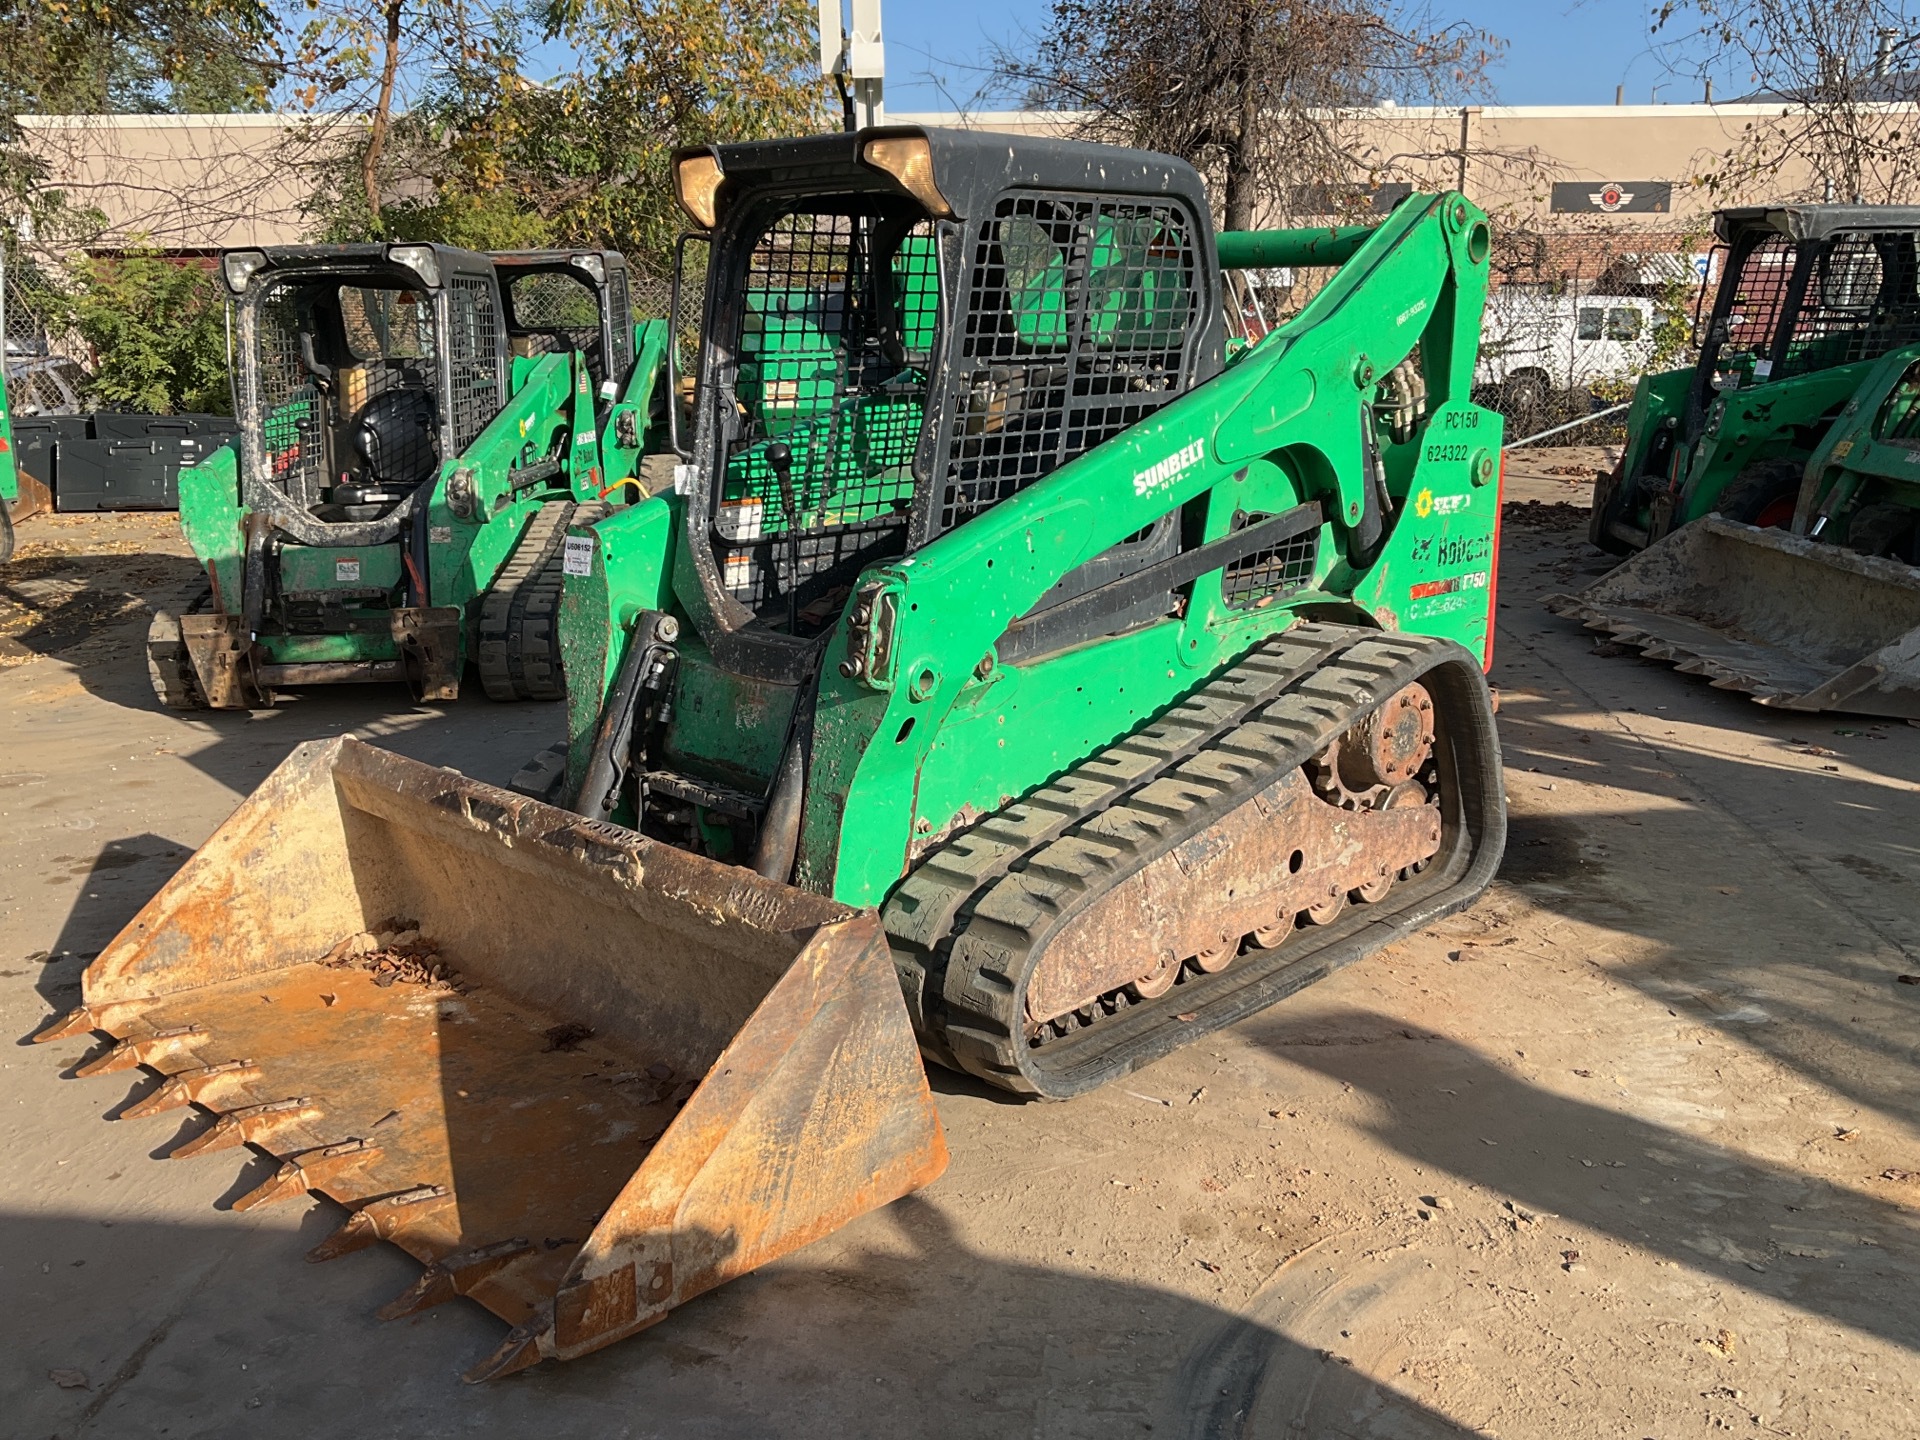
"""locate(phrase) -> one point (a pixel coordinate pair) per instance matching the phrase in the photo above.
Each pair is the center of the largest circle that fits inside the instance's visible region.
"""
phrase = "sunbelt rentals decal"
(1163, 473)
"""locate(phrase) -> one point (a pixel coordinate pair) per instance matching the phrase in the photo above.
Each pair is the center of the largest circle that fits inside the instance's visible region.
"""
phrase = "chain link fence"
(1574, 317)
(43, 369)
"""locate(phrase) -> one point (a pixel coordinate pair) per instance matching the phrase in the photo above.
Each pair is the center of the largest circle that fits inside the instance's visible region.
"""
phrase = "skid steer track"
(579, 1075)
(1191, 846)
(518, 628)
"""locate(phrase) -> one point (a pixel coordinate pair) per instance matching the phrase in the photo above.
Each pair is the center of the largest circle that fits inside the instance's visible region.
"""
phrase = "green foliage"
(58, 57)
(488, 159)
(157, 331)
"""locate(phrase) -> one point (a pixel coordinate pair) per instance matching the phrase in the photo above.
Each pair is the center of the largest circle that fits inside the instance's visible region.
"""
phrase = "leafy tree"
(157, 331)
(1259, 95)
(488, 158)
(1845, 74)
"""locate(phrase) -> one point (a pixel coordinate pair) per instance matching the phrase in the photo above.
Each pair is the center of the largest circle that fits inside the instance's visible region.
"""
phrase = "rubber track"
(518, 653)
(969, 925)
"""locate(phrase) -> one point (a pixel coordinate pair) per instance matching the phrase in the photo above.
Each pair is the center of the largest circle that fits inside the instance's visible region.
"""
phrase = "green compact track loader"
(1016, 676)
(1766, 496)
(418, 426)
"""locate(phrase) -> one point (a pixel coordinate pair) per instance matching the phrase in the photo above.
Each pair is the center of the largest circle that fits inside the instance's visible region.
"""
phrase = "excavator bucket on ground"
(578, 1074)
(1793, 622)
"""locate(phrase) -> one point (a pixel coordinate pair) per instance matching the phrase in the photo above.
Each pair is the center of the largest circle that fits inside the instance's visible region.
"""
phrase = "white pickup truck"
(1536, 345)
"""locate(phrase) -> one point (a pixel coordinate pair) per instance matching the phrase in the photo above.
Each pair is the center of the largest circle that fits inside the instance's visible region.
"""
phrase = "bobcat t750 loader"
(1015, 676)
(418, 425)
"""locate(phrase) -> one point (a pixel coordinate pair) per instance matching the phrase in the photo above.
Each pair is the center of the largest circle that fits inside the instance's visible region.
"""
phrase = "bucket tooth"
(382, 1219)
(146, 1050)
(250, 1124)
(85, 1019)
(522, 1347)
(454, 1276)
(307, 1171)
(197, 1086)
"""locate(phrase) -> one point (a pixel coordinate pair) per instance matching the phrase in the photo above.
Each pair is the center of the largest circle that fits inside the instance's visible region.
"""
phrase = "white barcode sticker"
(346, 572)
(578, 558)
(683, 479)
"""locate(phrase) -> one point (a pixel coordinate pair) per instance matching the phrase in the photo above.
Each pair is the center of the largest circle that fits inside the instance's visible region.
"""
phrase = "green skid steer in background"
(1767, 496)
(1015, 677)
(418, 426)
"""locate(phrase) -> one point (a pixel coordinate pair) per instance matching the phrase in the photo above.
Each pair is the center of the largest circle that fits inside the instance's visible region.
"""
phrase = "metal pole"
(1571, 424)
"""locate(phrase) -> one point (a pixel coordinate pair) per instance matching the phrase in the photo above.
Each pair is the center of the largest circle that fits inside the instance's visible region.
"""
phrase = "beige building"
(185, 184)
(1626, 175)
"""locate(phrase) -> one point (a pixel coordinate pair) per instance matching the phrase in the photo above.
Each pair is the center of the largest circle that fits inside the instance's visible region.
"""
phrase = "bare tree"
(1259, 95)
(1843, 74)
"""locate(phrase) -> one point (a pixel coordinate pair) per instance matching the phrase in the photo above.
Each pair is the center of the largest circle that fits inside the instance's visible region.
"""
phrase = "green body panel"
(1871, 453)
(726, 727)
(942, 730)
(312, 570)
(9, 469)
(631, 571)
(210, 517)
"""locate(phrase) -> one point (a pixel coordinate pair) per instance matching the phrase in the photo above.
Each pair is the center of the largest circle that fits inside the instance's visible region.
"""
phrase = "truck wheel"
(1763, 494)
(6, 532)
(1525, 395)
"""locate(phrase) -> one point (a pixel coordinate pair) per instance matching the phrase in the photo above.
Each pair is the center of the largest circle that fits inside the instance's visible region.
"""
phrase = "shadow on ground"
(205, 1331)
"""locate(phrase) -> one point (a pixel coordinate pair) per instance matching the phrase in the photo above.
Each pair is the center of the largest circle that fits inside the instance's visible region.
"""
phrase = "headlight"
(696, 185)
(593, 265)
(237, 267)
(420, 259)
(909, 160)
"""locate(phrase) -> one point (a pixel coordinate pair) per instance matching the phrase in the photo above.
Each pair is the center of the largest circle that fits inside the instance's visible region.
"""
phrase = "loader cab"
(904, 327)
(556, 301)
(360, 369)
(1806, 290)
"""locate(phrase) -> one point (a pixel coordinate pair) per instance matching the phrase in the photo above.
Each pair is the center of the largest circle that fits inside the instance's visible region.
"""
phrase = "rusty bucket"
(1793, 622)
(579, 1075)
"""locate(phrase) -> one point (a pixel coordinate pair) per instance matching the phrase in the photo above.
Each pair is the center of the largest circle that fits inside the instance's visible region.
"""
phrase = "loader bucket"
(579, 1075)
(1793, 622)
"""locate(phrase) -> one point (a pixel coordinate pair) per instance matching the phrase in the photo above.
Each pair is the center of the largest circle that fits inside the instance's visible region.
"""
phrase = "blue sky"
(1560, 52)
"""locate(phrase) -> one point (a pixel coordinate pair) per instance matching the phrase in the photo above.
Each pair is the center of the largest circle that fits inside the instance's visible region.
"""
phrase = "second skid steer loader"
(418, 425)
(1012, 678)
(1766, 498)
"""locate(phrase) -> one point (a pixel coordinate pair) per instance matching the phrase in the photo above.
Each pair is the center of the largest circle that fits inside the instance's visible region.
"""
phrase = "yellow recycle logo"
(1423, 504)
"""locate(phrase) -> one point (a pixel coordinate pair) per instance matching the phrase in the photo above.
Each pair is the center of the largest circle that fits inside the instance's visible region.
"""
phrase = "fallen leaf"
(1845, 1132)
(1188, 1016)
(69, 1379)
(329, 999)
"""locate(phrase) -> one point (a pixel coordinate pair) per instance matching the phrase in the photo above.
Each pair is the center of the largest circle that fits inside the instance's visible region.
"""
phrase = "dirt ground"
(1628, 1150)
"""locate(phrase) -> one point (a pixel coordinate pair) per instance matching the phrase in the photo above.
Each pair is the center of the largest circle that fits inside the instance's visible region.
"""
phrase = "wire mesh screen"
(830, 383)
(1078, 321)
(473, 349)
(620, 321)
(552, 312)
(1753, 312)
(1253, 580)
(292, 428)
(1860, 302)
